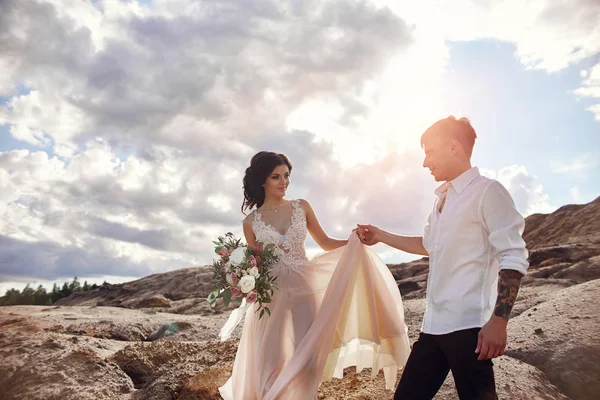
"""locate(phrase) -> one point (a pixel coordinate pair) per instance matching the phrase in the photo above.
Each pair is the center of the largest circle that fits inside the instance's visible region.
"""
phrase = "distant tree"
(75, 286)
(28, 296)
(15, 297)
(42, 298)
(65, 291)
(56, 294)
(12, 297)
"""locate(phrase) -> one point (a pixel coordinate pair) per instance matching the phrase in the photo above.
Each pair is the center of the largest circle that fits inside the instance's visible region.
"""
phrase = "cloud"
(577, 166)
(529, 195)
(183, 74)
(590, 87)
(576, 195)
(131, 210)
(160, 213)
(147, 115)
(548, 35)
(49, 260)
(580, 171)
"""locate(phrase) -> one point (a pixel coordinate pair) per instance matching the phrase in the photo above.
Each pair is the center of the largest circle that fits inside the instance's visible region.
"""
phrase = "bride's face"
(277, 181)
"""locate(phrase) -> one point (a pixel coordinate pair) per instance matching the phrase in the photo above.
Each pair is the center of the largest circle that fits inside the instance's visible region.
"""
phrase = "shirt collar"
(459, 183)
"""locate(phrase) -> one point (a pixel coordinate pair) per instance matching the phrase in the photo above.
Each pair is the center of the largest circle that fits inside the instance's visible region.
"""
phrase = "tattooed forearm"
(508, 288)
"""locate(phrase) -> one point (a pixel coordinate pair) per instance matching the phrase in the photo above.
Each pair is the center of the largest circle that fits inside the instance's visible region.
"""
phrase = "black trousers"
(433, 356)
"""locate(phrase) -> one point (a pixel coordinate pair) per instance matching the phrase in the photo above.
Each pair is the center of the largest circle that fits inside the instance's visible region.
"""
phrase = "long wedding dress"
(342, 308)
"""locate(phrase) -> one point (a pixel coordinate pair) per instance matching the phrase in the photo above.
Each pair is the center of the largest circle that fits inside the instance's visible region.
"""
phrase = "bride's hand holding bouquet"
(243, 271)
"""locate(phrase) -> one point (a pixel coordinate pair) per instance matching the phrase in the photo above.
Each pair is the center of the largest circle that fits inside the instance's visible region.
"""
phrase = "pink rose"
(252, 261)
(251, 297)
(231, 278)
(223, 252)
(258, 259)
(236, 292)
(258, 249)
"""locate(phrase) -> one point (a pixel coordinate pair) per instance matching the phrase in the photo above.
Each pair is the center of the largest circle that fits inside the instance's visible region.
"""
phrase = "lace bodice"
(290, 246)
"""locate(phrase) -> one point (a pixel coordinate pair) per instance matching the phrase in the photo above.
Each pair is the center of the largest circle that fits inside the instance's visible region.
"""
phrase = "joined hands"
(368, 234)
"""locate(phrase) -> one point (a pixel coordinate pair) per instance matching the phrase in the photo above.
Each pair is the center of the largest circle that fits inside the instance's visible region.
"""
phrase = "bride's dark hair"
(261, 165)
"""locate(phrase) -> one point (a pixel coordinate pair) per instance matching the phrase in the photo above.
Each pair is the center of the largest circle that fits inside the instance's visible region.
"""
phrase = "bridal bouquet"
(243, 271)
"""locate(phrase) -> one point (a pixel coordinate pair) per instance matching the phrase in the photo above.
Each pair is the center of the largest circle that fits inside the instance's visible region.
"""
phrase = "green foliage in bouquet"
(243, 271)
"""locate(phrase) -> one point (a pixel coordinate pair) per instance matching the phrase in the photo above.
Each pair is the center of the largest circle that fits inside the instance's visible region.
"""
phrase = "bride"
(341, 308)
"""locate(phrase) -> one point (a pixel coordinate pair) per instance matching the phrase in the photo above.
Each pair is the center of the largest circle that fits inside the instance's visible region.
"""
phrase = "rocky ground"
(156, 338)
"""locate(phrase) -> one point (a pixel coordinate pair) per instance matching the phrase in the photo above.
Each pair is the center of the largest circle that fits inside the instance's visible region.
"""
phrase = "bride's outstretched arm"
(316, 231)
(371, 235)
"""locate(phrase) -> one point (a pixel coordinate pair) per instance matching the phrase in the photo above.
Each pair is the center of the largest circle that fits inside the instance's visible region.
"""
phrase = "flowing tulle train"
(341, 309)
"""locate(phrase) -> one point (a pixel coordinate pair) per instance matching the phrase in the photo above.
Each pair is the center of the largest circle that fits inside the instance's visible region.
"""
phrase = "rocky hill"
(155, 338)
(182, 291)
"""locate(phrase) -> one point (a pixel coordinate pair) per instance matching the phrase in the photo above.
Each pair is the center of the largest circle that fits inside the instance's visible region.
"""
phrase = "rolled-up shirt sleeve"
(504, 225)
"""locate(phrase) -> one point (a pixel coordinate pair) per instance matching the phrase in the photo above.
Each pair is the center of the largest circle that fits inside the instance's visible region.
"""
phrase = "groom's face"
(438, 158)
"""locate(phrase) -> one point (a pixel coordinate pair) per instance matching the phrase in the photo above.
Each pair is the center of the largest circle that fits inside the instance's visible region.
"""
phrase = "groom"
(477, 258)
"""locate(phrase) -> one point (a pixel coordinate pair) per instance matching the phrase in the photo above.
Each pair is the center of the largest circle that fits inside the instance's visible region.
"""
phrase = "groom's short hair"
(453, 128)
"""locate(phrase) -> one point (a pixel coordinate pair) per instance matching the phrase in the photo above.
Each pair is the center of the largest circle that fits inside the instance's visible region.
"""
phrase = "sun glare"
(395, 108)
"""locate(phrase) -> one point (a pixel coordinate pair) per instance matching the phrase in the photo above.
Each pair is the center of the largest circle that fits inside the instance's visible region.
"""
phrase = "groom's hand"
(491, 342)
(368, 234)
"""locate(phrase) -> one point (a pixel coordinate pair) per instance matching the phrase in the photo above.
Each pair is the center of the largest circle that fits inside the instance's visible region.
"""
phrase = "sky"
(126, 126)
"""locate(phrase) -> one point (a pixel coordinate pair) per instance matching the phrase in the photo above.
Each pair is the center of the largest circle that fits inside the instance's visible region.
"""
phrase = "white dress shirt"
(477, 233)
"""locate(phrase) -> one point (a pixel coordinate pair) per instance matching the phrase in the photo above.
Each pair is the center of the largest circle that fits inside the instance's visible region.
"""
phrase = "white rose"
(254, 272)
(237, 256)
(247, 284)
(228, 266)
(229, 279)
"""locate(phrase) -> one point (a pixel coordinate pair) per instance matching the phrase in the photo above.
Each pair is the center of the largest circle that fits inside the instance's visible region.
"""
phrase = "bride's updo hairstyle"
(261, 165)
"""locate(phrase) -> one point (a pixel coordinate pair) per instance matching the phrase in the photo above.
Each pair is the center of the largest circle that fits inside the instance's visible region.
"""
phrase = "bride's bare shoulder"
(304, 204)
(248, 220)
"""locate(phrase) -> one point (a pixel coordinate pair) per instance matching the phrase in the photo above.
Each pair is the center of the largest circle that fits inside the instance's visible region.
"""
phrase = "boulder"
(560, 338)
